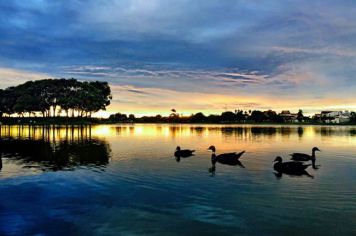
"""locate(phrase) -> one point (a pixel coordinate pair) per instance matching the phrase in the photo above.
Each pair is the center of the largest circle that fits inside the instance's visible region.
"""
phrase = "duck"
(231, 159)
(183, 152)
(305, 157)
(290, 167)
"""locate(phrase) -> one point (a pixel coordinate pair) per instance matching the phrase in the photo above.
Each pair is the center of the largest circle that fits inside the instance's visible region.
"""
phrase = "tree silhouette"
(51, 96)
(300, 115)
(257, 116)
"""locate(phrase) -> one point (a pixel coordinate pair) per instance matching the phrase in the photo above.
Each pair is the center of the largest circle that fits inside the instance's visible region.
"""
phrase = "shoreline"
(64, 121)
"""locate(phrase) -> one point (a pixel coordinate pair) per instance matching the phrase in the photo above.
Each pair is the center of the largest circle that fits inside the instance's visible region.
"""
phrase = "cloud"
(156, 87)
(151, 101)
(291, 50)
(180, 79)
(315, 51)
(12, 77)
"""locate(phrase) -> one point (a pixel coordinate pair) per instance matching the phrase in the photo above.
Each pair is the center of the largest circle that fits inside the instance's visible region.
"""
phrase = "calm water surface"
(124, 180)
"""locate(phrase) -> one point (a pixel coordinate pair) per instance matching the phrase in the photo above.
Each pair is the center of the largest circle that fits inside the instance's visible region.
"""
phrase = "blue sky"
(201, 55)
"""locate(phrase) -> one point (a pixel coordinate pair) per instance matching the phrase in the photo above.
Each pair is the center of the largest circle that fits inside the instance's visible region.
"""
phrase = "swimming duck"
(305, 157)
(290, 167)
(183, 153)
(231, 159)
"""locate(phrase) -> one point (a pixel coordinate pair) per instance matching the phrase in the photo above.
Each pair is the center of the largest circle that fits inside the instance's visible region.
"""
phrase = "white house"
(335, 117)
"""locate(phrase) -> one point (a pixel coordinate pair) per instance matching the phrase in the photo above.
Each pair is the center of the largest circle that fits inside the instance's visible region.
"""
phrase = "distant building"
(317, 117)
(285, 113)
(289, 117)
(325, 113)
(270, 113)
(335, 117)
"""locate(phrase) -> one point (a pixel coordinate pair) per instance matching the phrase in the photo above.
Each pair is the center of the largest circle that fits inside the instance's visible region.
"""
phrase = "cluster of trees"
(239, 116)
(55, 97)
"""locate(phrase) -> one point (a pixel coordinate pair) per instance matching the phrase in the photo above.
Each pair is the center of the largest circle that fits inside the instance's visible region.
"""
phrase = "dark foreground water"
(124, 180)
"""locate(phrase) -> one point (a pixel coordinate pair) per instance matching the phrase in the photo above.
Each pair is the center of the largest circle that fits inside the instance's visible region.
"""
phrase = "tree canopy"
(55, 97)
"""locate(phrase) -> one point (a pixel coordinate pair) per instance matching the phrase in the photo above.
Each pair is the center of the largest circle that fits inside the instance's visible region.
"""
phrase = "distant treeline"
(55, 97)
(239, 116)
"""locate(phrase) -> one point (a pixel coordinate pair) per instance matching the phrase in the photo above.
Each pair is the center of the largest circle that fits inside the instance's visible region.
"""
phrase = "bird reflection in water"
(47, 152)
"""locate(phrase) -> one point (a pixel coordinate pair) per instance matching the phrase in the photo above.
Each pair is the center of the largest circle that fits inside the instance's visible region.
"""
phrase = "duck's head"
(212, 148)
(278, 159)
(316, 149)
(178, 148)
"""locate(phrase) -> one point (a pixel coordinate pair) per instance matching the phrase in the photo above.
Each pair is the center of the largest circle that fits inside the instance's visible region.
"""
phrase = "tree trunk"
(54, 110)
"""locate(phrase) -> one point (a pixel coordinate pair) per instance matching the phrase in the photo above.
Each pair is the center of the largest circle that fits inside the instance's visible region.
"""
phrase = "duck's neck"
(313, 154)
(213, 158)
(313, 163)
(277, 165)
(313, 159)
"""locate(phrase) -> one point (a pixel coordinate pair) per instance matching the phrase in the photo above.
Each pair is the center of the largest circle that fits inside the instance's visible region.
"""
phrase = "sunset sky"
(200, 55)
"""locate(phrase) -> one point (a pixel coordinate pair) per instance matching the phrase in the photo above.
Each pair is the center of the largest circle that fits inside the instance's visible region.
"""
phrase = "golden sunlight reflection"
(243, 132)
(253, 138)
(47, 133)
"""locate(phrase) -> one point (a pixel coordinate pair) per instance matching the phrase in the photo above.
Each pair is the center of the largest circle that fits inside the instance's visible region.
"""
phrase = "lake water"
(124, 180)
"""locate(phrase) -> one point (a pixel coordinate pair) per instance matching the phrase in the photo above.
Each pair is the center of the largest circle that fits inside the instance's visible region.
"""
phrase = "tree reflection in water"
(49, 148)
